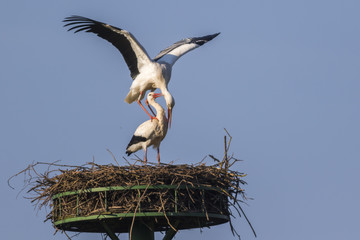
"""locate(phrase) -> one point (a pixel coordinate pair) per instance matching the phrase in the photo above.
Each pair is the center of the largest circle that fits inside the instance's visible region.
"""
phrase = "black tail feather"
(134, 140)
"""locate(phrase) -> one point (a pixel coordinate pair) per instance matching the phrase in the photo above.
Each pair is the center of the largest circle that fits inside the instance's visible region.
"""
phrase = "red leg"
(138, 101)
(145, 158)
(158, 154)
(147, 103)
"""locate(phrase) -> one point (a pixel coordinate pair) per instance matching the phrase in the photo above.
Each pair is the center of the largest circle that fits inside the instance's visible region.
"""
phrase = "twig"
(167, 219)
(113, 156)
(246, 219)
(138, 204)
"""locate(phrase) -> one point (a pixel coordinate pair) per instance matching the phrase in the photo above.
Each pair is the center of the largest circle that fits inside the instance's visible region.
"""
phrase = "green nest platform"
(159, 207)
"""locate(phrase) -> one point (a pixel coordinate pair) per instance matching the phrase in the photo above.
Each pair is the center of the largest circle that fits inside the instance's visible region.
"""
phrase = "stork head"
(152, 96)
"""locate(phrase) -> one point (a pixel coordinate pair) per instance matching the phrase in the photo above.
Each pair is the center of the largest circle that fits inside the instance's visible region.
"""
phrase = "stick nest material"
(228, 184)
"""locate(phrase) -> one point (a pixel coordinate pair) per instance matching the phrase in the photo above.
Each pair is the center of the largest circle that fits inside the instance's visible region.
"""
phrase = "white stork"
(151, 132)
(147, 74)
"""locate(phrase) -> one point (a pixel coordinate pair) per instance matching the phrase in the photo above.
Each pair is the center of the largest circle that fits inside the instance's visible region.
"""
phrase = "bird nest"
(162, 196)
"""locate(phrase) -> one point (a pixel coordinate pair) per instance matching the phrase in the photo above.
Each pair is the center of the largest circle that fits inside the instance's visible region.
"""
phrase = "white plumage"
(151, 132)
(147, 74)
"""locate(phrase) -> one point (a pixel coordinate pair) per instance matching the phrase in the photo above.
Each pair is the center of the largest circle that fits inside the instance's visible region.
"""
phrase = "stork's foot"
(152, 118)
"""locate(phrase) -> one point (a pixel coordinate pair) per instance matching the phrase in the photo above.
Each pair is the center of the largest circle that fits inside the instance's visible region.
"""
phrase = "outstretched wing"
(172, 53)
(134, 54)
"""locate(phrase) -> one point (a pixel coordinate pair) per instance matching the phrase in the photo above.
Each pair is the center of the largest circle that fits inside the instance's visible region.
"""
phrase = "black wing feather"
(109, 33)
(197, 40)
(134, 140)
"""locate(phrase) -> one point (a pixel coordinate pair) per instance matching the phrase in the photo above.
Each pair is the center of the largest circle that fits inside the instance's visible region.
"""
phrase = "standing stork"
(147, 74)
(151, 132)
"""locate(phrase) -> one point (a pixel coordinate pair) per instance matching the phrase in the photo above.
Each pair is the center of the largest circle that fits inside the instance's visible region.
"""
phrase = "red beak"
(156, 95)
(169, 117)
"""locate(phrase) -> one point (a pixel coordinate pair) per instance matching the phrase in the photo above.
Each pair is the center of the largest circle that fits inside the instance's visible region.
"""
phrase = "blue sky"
(282, 77)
